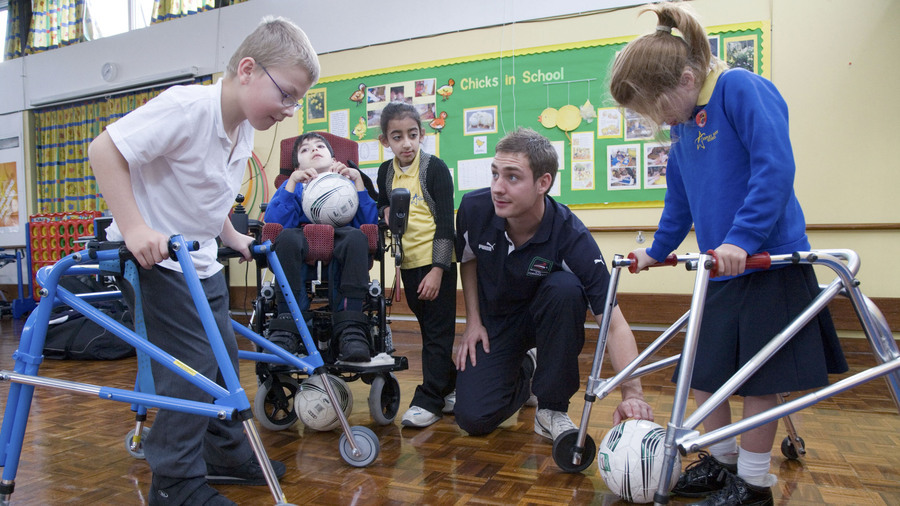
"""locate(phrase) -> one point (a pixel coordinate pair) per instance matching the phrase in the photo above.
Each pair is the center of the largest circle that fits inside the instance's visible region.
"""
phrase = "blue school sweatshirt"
(731, 172)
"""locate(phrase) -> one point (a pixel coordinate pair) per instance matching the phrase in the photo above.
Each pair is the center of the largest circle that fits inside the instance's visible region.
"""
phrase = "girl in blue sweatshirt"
(730, 175)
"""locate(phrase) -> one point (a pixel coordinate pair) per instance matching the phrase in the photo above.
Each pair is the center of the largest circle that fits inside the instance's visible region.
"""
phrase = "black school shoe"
(177, 491)
(248, 473)
(704, 477)
(739, 492)
(354, 346)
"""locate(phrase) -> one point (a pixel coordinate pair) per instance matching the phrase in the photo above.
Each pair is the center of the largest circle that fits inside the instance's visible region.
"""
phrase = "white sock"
(754, 468)
(725, 451)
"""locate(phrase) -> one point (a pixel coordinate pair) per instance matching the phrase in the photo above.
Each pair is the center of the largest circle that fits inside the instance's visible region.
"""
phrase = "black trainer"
(283, 332)
(739, 492)
(178, 491)
(351, 327)
(354, 346)
(704, 477)
(248, 473)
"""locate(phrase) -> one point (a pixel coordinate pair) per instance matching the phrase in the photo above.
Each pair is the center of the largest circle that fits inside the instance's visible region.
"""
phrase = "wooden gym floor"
(74, 447)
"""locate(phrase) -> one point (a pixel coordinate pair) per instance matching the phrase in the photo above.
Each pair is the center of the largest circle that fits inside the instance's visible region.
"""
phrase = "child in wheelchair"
(312, 156)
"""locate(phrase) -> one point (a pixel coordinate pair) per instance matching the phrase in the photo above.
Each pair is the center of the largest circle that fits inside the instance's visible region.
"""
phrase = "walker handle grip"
(758, 261)
(672, 259)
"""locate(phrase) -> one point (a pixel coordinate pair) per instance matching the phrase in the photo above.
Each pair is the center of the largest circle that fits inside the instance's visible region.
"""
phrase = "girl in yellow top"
(427, 269)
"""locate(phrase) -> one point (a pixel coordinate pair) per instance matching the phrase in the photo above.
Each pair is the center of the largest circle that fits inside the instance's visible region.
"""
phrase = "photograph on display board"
(480, 120)
(425, 88)
(376, 94)
(656, 157)
(622, 167)
(609, 123)
(316, 105)
(714, 46)
(426, 111)
(583, 176)
(637, 127)
(740, 52)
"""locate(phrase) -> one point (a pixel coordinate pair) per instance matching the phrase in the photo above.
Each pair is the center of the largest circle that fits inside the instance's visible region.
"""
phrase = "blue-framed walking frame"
(358, 445)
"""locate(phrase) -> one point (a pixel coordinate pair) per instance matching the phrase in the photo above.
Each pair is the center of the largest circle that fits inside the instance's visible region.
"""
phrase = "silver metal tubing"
(345, 426)
(599, 350)
(690, 444)
(71, 386)
(685, 372)
(260, 452)
(631, 371)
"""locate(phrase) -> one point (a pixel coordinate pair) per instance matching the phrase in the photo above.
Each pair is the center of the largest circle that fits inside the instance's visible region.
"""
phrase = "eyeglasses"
(286, 99)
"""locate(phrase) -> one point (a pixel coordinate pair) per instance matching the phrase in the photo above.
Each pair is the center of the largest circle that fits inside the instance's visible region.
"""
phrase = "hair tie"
(663, 28)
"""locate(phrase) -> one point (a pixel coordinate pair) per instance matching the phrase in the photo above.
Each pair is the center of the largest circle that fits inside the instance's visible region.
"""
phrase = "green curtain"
(165, 10)
(55, 23)
(65, 181)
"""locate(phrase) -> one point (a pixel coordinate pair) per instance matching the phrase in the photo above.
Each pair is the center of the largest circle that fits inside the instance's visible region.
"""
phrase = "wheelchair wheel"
(137, 450)
(564, 450)
(367, 443)
(273, 405)
(384, 398)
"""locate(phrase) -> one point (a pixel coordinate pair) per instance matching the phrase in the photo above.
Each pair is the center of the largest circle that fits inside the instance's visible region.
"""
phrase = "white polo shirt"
(183, 179)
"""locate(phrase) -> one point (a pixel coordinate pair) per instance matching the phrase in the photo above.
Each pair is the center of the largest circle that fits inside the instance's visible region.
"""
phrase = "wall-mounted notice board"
(608, 157)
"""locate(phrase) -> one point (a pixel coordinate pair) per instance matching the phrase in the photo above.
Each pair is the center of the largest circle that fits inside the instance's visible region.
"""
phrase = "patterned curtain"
(12, 46)
(65, 181)
(55, 23)
(165, 10)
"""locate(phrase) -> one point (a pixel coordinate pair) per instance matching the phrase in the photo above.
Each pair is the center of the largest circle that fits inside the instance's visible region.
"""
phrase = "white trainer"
(532, 399)
(551, 424)
(449, 403)
(418, 417)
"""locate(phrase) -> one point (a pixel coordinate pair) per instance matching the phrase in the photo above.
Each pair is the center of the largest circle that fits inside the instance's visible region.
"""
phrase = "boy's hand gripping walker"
(574, 450)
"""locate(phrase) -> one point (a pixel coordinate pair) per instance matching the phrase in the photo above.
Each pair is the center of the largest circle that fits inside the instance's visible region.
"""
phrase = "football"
(330, 199)
(313, 407)
(630, 459)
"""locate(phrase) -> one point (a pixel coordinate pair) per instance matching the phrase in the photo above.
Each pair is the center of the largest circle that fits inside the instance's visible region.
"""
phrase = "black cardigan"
(438, 189)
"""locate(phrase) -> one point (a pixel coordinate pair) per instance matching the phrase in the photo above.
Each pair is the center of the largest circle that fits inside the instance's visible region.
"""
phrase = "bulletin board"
(608, 157)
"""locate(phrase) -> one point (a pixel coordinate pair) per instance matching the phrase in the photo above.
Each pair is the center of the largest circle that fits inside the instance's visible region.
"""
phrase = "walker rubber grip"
(758, 261)
(672, 259)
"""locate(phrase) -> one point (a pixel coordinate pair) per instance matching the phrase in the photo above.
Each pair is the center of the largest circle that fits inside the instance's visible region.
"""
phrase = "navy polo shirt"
(508, 278)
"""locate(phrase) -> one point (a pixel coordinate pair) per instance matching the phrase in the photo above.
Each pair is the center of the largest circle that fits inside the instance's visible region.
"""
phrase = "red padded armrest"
(371, 232)
(270, 231)
(321, 242)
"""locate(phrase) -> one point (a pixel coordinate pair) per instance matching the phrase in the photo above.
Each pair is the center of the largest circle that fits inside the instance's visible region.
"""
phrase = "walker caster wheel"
(366, 442)
(273, 405)
(792, 451)
(564, 451)
(136, 449)
(384, 398)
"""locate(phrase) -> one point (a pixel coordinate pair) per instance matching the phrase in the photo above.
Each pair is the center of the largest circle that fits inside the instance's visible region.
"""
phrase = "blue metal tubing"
(207, 385)
(29, 355)
(27, 359)
(235, 392)
(276, 355)
(313, 360)
(313, 355)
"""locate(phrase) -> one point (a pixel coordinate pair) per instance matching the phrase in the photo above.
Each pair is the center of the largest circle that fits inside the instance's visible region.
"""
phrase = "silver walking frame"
(574, 450)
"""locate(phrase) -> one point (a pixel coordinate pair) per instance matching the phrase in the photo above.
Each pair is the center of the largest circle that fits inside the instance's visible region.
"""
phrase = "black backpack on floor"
(73, 336)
